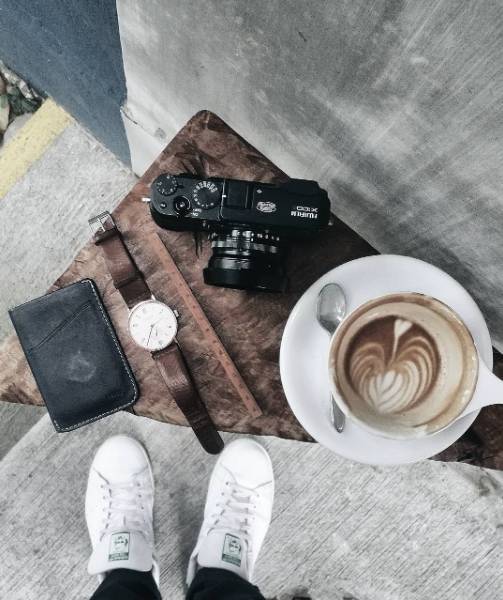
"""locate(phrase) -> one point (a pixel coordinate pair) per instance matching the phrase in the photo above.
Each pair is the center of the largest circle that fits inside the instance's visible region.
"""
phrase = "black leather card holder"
(75, 356)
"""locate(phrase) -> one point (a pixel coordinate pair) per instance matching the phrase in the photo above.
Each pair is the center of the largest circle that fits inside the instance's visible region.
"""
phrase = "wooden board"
(249, 324)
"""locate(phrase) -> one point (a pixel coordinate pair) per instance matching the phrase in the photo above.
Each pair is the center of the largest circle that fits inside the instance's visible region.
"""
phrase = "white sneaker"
(237, 512)
(119, 508)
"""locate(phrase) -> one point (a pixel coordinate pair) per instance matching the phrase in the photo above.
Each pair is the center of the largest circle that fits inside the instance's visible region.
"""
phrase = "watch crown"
(176, 313)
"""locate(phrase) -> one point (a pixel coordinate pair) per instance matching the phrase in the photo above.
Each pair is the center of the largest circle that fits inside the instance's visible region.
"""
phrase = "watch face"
(152, 325)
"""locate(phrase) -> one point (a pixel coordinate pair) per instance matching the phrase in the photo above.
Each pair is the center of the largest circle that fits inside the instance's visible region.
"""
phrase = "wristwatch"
(153, 326)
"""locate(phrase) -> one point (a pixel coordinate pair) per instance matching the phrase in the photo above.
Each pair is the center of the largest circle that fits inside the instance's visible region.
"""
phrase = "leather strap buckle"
(98, 224)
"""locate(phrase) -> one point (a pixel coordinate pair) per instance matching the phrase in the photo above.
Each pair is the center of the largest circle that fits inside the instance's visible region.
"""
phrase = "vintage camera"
(249, 223)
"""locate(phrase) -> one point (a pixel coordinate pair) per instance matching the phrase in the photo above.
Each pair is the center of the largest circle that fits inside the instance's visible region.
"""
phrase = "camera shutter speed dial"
(166, 185)
(206, 195)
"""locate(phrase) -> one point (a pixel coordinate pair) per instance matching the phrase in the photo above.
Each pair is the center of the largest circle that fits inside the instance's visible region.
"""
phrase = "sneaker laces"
(126, 507)
(235, 510)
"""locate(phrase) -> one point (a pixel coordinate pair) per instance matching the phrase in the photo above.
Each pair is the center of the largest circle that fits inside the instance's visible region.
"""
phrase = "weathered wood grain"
(249, 324)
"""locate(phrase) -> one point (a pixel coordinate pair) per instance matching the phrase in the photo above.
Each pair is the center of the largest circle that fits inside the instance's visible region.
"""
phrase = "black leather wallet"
(75, 356)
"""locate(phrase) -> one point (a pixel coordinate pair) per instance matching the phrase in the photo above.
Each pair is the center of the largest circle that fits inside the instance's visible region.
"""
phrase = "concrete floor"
(341, 531)
(43, 224)
(43, 218)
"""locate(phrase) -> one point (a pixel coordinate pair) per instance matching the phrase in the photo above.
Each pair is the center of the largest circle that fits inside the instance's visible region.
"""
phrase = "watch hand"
(151, 329)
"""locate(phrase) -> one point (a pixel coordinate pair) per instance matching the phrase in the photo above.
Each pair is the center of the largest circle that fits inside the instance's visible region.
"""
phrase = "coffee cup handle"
(489, 390)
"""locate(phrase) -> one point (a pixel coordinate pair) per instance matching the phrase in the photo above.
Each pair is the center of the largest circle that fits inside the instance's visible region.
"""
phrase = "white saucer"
(304, 354)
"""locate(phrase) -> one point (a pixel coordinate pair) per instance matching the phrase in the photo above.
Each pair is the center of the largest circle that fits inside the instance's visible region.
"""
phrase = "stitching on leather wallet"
(61, 326)
(126, 368)
(92, 419)
(119, 352)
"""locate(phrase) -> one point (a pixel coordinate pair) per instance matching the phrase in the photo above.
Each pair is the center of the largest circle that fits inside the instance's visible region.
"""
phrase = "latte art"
(395, 383)
(404, 365)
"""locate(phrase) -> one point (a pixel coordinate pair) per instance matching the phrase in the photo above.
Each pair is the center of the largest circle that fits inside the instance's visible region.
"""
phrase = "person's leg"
(124, 584)
(236, 518)
(213, 584)
(119, 515)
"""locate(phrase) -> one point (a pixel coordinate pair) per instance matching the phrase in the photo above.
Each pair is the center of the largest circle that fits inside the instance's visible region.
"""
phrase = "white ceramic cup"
(487, 390)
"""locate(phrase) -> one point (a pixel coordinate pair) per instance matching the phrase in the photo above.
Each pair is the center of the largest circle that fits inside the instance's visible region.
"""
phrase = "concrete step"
(339, 530)
(15, 421)
(53, 177)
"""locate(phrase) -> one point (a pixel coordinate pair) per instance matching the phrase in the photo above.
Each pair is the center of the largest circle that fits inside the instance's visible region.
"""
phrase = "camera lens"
(247, 260)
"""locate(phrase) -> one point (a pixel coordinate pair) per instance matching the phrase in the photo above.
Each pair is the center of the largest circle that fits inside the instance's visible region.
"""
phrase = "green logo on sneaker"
(119, 546)
(231, 551)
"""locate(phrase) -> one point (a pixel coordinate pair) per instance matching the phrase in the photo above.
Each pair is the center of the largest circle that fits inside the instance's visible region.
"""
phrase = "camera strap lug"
(198, 242)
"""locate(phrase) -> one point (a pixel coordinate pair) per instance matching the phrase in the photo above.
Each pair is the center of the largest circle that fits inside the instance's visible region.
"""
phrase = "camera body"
(249, 223)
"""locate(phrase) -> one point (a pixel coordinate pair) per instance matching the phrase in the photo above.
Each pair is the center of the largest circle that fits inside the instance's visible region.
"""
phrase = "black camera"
(249, 223)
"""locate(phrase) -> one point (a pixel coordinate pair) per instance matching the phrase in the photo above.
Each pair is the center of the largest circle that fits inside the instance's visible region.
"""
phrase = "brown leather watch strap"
(130, 282)
(125, 274)
(174, 371)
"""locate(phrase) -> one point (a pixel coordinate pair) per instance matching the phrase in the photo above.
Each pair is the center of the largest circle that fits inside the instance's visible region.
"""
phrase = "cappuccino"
(405, 365)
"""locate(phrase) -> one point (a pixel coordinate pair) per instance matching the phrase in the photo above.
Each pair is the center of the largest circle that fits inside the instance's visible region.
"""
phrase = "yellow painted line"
(30, 143)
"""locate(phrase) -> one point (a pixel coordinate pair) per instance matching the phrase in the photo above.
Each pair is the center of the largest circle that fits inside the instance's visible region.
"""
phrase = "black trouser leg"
(219, 584)
(124, 584)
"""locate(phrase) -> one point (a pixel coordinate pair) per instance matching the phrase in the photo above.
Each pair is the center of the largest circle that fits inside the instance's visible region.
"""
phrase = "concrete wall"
(395, 106)
(70, 50)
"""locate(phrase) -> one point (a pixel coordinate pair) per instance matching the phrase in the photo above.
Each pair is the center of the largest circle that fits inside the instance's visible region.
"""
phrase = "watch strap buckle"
(101, 223)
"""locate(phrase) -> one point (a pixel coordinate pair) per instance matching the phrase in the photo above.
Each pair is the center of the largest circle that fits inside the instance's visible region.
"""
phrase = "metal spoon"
(330, 312)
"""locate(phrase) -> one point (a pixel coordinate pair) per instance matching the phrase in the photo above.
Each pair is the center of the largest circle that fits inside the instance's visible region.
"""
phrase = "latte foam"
(404, 364)
(392, 363)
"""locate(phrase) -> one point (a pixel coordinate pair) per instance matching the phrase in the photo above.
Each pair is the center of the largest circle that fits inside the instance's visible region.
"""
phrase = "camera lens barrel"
(247, 260)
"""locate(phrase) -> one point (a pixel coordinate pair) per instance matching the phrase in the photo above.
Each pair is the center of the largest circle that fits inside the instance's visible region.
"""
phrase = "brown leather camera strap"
(172, 366)
(127, 279)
